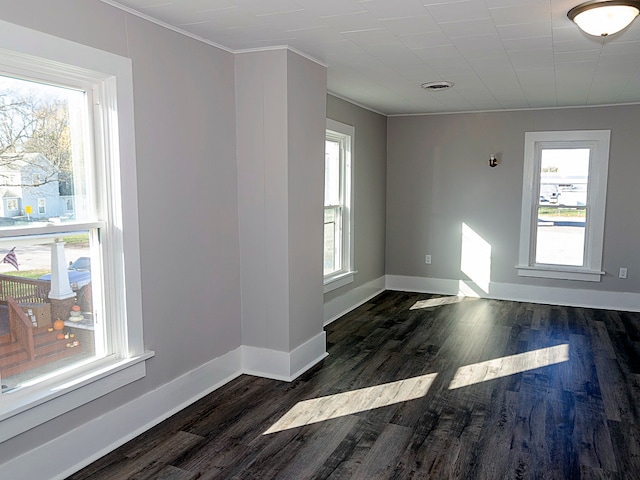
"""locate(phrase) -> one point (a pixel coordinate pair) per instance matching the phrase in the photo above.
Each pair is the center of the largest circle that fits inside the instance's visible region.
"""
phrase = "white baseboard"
(334, 309)
(575, 297)
(133, 418)
(122, 424)
(278, 365)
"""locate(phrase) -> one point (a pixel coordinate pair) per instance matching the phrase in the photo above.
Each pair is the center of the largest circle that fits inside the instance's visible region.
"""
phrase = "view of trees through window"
(46, 297)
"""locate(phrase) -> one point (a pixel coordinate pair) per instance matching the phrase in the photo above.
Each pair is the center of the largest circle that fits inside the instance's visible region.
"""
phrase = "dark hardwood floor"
(418, 386)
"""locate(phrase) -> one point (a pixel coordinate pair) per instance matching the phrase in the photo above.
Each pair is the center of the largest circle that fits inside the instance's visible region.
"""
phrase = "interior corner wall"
(439, 179)
(280, 99)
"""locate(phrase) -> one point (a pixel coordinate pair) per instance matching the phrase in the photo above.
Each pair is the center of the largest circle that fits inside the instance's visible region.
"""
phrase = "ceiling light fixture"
(437, 86)
(604, 17)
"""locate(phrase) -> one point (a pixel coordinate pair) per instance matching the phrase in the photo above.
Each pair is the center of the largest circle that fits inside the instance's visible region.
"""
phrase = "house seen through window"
(48, 296)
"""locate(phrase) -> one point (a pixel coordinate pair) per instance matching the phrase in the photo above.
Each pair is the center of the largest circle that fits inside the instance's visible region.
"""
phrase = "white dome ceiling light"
(604, 17)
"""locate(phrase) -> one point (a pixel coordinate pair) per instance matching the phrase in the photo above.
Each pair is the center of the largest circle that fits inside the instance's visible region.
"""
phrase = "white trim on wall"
(134, 418)
(124, 423)
(339, 306)
(576, 297)
(267, 363)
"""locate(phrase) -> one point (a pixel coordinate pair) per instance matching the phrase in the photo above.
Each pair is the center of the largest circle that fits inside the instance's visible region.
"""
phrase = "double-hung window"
(70, 331)
(338, 213)
(563, 205)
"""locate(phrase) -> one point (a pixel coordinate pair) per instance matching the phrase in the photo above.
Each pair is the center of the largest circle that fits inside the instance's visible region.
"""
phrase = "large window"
(69, 330)
(338, 214)
(564, 195)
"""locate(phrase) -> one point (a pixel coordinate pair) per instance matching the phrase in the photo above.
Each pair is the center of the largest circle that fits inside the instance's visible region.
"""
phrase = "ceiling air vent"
(437, 86)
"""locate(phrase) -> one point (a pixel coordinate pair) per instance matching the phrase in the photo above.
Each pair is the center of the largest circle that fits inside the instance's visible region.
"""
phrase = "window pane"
(33, 298)
(561, 219)
(564, 175)
(45, 167)
(332, 246)
(560, 236)
(43, 132)
(332, 173)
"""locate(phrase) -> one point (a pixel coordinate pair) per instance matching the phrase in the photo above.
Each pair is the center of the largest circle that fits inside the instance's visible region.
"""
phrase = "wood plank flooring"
(419, 386)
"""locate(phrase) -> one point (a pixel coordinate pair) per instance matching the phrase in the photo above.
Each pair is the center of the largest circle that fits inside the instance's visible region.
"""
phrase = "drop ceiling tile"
(260, 7)
(411, 25)
(143, 4)
(472, 28)
(618, 48)
(473, 44)
(537, 44)
(625, 63)
(385, 9)
(571, 57)
(456, 66)
(394, 54)
(330, 7)
(531, 77)
(434, 54)
(283, 20)
(531, 61)
(492, 64)
(535, 11)
(570, 34)
(199, 5)
(352, 21)
(457, 11)
(575, 46)
(505, 3)
(418, 73)
(377, 36)
(524, 30)
(424, 40)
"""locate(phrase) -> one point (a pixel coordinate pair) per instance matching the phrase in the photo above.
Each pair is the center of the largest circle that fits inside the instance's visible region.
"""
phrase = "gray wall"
(438, 178)
(185, 139)
(370, 176)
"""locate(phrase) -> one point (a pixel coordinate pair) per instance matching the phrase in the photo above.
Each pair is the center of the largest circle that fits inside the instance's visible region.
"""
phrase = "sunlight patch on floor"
(510, 365)
(437, 302)
(347, 403)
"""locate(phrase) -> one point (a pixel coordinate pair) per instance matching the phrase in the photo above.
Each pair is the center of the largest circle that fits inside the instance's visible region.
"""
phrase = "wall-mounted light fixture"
(493, 160)
(604, 17)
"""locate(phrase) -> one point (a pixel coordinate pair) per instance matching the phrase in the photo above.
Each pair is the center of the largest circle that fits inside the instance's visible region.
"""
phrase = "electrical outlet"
(427, 259)
(623, 273)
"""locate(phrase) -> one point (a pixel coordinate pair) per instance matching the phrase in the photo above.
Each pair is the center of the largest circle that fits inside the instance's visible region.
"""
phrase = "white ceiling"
(501, 54)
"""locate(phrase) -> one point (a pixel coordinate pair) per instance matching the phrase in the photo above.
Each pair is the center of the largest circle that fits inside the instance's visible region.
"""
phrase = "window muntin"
(338, 217)
(564, 194)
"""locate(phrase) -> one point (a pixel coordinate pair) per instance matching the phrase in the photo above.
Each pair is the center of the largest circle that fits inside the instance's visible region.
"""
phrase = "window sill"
(560, 273)
(23, 410)
(337, 281)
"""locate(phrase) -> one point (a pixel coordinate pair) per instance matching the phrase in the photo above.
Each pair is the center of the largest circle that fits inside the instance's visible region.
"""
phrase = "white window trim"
(22, 51)
(346, 274)
(597, 192)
